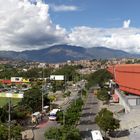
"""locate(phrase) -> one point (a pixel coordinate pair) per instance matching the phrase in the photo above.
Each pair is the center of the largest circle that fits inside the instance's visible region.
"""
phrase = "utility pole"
(42, 89)
(9, 120)
(63, 117)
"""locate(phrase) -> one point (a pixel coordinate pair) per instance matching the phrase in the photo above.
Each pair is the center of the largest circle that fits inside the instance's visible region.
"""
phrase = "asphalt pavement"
(87, 119)
(39, 131)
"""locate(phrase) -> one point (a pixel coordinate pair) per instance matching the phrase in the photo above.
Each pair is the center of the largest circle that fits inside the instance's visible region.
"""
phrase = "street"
(39, 132)
(87, 119)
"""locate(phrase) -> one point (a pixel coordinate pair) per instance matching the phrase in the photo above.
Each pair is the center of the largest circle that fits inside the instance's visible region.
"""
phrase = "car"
(96, 135)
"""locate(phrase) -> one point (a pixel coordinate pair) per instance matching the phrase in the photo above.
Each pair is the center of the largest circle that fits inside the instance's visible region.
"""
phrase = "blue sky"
(97, 13)
(113, 24)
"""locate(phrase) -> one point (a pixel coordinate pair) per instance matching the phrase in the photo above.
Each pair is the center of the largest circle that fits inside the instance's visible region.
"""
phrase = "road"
(40, 130)
(87, 119)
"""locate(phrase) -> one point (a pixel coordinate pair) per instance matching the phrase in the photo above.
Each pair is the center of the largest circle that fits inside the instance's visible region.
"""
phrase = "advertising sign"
(11, 95)
(16, 79)
(56, 77)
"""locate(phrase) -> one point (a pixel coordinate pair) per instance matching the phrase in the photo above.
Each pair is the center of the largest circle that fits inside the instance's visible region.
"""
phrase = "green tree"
(69, 72)
(99, 77)
(3, 114)
(33, 99)
(72, 114)
(62, 133)
(16, 132)
(3, 132)
(106, 121)
(103, 95)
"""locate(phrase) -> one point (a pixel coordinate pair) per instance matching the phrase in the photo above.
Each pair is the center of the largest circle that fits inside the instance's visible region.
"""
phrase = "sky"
(36, 24)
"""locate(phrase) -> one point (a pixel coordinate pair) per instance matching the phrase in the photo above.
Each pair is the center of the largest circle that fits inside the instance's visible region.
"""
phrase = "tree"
(62, 133)
(33, 99)
(15, 132)
(106, 121)
(69, 72)
(103, 95)
(99, 77)
(3, 132)
(3, 114)
(72, 114)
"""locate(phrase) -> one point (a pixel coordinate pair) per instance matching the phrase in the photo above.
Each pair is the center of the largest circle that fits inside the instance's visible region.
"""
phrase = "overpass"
(127, 76)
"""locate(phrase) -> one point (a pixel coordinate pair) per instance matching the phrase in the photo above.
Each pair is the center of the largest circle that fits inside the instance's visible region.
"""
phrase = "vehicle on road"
(53, 114)
(96, 135)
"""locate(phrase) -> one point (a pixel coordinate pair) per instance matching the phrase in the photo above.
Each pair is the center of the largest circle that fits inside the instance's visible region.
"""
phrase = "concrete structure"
(123, 101)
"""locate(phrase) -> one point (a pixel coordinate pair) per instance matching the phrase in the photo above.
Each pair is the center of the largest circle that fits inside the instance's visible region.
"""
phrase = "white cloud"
(126, 23)
(27, 26)
(115, 38)
(59, 8)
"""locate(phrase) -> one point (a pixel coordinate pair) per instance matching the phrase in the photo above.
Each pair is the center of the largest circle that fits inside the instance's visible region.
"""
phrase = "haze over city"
(33, 24)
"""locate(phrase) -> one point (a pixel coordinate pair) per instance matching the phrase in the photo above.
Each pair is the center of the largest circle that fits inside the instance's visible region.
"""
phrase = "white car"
(96, 135)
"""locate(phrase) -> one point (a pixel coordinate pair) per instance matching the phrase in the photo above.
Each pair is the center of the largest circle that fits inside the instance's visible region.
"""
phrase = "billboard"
(56, 77)
(11, 95)
(16, 79)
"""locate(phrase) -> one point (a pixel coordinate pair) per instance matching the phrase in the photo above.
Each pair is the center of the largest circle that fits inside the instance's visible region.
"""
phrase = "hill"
(62, 53)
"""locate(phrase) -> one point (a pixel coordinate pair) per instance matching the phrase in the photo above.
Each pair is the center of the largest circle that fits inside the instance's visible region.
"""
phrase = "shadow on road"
(94, 103)
(85, 134)
(86, 122)
(86, 108)
(88, 114)
(119, 133)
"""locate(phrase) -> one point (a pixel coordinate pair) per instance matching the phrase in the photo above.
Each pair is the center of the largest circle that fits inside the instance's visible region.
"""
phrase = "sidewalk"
(27, 134)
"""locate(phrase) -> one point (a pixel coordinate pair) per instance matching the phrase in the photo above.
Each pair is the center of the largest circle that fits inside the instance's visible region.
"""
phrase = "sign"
(56, 77)
(25, 80)
(11, 95)
(19, 80)
(16, 79)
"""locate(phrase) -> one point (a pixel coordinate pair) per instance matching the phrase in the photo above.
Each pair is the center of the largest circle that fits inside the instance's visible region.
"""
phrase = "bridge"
(127, 76)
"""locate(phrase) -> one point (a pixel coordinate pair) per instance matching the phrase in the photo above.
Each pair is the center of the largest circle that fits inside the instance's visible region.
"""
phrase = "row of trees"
(104, 119)
(8, 71)
(68, 120)
(63, 133)
(72, 114)
(98, 78)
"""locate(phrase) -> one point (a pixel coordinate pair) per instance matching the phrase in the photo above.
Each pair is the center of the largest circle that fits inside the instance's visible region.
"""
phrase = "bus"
(53, 114)
(96, 135)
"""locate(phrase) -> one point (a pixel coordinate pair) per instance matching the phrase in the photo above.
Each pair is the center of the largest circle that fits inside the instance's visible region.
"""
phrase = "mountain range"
(62, 53)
